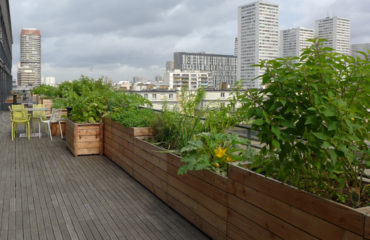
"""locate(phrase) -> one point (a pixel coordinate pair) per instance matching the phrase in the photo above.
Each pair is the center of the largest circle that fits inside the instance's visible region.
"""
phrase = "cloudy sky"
(126, 38)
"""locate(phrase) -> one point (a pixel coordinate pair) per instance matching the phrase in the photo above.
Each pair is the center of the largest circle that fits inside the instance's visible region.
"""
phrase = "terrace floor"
(46, 193)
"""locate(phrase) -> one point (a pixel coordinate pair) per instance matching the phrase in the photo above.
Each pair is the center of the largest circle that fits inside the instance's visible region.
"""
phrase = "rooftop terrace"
(46, 193)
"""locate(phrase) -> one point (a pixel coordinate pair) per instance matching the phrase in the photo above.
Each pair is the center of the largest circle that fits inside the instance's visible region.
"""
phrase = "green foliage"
(45, 91)
(133, 117)
(174, 128)
(312, 117)
(214, 151)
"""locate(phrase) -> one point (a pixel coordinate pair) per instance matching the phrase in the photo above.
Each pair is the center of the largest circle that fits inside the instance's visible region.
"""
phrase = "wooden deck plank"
(46, 193)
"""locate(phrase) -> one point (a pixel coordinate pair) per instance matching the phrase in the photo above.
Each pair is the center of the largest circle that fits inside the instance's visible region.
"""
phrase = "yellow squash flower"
(220, 152)
(217, 165)
(229, 159)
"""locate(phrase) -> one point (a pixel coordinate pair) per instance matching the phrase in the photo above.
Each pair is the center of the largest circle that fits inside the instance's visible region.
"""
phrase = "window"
(154, 96)
(146, 95)
(170, 96)
(222, 94)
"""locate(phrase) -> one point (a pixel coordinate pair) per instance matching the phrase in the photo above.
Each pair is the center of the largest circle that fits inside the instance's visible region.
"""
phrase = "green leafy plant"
(133, 117)
(313, 120)
(214, 151)
(174, 128)
(45, 91)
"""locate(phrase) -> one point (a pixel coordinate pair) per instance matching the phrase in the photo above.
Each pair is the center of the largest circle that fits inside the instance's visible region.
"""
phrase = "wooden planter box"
(55, 129)
(84, 139)
(244, 205)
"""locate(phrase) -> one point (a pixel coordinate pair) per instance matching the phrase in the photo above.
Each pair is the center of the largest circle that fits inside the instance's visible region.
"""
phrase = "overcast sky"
(126, 38)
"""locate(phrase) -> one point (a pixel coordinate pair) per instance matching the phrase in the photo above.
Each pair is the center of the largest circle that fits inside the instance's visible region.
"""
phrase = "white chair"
(56, 116)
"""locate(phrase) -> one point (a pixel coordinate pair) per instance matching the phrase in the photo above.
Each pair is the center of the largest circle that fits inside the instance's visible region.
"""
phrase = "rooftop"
(46, 193)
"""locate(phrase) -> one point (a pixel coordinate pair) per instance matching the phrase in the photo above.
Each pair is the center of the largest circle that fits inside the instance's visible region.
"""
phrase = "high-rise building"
(6, 41)
(236, 46)
(362, 47)
(258, 39)
(26, 76)
(221, 67)
(293, 41)
(337, 32)
(31, 55)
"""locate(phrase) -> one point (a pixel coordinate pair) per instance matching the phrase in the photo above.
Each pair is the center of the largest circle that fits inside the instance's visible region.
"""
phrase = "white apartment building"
(191, 80)
(362, 47)
(293, 41)
(337, 32)
(258, 39)
(48, 81)
(212, 98)
(222, 68)
(31, 55)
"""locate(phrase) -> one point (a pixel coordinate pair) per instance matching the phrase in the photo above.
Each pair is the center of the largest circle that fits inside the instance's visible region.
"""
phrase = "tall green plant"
(174, 128)
(313, 120)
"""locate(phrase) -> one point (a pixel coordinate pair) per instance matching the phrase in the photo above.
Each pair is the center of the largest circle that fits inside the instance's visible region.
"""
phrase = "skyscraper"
(222, 68)
(337, 32)
(258, 39)
(30, 56)
(293, 41)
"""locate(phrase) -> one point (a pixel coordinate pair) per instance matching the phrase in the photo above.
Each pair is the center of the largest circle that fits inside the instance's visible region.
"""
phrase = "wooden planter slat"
(270, 222)
(339, 214)
(205, 214)
(240, 224)
(244, 205)
(194, 218)
(84, 139)
(300, 219)
(199, 197)
(150, 148)
(201, 185)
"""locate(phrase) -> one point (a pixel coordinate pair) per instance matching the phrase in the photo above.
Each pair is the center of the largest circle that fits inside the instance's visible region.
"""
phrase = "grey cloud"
(78, 34)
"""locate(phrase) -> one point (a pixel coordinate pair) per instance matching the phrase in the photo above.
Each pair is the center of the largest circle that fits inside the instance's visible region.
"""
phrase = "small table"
(21, 135)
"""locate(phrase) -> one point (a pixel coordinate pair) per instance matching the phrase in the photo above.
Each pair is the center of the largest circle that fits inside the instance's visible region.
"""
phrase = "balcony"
(46, 193)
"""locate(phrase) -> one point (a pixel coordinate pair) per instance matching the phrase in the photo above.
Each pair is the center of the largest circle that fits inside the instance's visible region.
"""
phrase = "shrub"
(313, 121)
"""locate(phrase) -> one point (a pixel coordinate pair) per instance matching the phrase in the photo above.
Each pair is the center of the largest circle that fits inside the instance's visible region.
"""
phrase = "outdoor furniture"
(37, 114)
(20, 116)
(17, 106)
(56, 116)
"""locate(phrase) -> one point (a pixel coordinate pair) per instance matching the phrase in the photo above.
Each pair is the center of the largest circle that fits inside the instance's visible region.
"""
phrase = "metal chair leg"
(50, 132)
(60, 128)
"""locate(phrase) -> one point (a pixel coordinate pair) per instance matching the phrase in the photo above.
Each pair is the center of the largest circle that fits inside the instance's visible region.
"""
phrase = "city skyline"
(118, 40)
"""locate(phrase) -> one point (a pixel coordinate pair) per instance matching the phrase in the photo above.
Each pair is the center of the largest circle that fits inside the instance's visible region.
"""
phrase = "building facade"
(31, 55)
(6, 42)
(293, 41)
(258, 39)
(212, 98)
(222, 68)
(362, 47)
(191, 80)
(337, 32)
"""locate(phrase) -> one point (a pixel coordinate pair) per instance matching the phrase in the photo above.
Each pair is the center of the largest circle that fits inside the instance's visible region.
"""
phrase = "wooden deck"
(46, 193)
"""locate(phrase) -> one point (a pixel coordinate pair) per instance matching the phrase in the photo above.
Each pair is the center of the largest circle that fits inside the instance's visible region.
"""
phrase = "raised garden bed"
(84, 139)
(244, 205)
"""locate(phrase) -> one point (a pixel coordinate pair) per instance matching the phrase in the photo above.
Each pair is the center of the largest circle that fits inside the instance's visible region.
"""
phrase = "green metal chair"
(37, 115)
(17, 106)
(20, 116)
